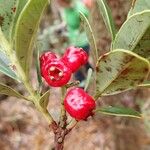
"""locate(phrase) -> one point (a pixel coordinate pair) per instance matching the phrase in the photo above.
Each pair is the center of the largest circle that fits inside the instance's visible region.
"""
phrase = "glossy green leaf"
(88, 79)
(119, 111)
(145, 84)
(26, 30)
(120, 70)
(37, 64)
(7, 13)
(5, 64)
(87, 27)
(107, 17)
(6, 67)
(134, 35)
(20, 6)
(6, 90)
(44, 100)
(143, 47)
(139, 6)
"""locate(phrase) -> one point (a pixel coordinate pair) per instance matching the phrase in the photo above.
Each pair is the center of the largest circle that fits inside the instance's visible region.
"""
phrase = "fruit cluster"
(57, 72)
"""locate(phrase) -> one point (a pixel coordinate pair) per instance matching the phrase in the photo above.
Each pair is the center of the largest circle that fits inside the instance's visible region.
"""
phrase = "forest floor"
(24, 128)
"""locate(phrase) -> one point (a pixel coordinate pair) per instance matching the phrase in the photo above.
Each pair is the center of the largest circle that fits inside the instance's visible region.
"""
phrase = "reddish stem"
(60, 134)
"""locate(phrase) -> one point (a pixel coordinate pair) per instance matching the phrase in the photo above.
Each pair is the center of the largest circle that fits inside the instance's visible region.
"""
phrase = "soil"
(24, 128)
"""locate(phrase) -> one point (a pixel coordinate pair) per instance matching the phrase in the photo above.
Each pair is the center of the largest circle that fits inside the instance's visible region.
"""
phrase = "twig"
(72, 124)
(63, 117)
(75, 83)
(133, 3)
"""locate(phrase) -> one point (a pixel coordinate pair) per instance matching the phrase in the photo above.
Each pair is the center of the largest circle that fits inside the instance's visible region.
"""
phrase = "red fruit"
(74, 58)
(79, 104)
(88, 3)
(56, 73)
(47, 57)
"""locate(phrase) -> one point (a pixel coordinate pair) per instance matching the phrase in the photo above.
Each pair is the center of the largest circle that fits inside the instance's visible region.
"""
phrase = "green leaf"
(120, 70)
(37, 64)
(134, 35)
(87, 27)
(139, 6)
(88, 79)
(119, 111)
(26, 30)
(145, 84)
(143, 47)
(107, 17)
(44, 100)
(7, 13)
(6, 90)
(20, 6)
(5, 67)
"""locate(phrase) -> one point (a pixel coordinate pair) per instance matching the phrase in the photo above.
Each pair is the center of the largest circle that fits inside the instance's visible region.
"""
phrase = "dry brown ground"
(23, 128)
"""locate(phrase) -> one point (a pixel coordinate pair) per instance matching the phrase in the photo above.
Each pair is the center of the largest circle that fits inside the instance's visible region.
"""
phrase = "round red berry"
(75, 57)
(56, 73)
(79, 104)
(47, 57)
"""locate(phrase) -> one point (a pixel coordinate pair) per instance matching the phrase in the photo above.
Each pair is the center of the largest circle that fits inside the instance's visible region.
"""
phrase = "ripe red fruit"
(74, 58)
(56, 73)
(79, 104)
(47, 57)
(88, 3)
